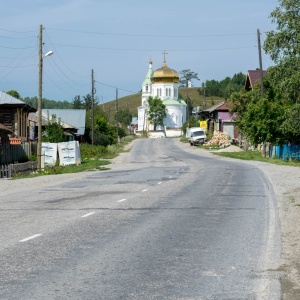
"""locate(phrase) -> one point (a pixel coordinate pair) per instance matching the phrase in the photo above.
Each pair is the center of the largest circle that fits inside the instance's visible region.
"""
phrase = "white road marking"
(121, 200)
(30, 238)
(144, 190)
(86, 215)
(160, 182)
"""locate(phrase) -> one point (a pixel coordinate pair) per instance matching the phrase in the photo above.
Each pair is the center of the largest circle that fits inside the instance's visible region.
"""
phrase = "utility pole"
(93, 91)
(188, 110)
(128, 119)
(40, 95)
(117, 116)
(204, 94)
(260, 65)
(261, 82)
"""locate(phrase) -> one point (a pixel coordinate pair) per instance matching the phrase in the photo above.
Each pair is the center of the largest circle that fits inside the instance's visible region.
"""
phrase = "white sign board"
(69, 153)
(50, 153)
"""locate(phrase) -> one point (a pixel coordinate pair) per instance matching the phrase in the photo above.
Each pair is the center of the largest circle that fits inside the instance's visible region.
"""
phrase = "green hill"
(132, 102)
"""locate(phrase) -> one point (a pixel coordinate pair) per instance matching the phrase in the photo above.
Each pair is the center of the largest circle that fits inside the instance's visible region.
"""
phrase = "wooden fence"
(12, 158)
(5, 171)
(8, 171)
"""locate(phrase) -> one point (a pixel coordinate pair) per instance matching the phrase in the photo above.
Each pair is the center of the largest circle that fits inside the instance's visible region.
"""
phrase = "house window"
(147, 87)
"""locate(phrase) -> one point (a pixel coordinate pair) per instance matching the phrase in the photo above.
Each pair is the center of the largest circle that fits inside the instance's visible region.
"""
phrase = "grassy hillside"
(134, 101)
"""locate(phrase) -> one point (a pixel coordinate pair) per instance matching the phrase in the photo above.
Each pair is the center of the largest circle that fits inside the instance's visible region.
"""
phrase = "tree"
(54, 132)
(87, 101)
(283, 47)
(156, 111)
(259, 119)
(13, 93)
(291, 123)
(124, 117)
(104, 133)
(186, 76)
(77, 103)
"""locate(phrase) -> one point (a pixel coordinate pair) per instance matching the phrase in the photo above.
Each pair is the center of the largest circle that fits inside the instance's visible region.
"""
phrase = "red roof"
(223, 107)
(253, 77)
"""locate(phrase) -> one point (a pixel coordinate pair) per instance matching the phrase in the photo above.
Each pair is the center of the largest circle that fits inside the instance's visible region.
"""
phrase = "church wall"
(160, 90)
(142, 122)
(175, 116)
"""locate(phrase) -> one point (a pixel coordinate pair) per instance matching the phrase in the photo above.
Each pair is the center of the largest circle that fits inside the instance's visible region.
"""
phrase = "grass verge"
(93, 158)
(256, 155)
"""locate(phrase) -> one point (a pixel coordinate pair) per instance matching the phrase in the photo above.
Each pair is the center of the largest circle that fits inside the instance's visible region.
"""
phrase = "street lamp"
(40, 97)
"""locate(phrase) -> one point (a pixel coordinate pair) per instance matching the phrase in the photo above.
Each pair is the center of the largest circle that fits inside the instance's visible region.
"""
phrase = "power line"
(152, 35)
(60, 72)
(114, 87)
(57, 53)
(14, 31)
(16, 38)
(18, 48)
(58, 85)
(17, 67)
(154, 50)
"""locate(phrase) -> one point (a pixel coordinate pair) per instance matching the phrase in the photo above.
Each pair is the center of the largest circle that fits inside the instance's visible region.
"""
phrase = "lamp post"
(40, 97)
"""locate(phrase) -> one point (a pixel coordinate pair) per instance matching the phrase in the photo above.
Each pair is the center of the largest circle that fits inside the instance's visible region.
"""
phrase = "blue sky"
(116, 39)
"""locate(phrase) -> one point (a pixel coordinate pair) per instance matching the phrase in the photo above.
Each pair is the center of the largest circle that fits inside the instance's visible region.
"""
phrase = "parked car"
(196, 136)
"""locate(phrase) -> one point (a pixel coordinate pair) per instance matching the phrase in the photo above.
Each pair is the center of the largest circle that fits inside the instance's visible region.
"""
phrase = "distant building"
(162, 83)
(74, 117)
(253, 77)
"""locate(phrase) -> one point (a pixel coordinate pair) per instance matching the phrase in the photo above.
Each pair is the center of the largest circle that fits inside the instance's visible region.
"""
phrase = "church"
(162, 83)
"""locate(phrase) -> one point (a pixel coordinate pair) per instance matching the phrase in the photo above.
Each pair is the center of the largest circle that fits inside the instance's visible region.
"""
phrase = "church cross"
(164, 53)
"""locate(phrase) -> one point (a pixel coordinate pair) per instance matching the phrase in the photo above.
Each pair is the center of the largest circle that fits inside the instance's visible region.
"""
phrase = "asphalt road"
(164, 224)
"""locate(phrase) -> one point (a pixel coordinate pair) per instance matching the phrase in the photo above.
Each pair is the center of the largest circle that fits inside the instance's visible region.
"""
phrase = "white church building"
(162, 83)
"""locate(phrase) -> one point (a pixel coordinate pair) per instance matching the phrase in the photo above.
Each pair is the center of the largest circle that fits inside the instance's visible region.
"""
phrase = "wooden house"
(14, 129)
(219, 119)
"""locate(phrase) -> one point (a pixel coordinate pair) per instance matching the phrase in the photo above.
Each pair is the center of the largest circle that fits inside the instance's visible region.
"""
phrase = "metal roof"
(74, 117)
(6, 99)
(211, 109)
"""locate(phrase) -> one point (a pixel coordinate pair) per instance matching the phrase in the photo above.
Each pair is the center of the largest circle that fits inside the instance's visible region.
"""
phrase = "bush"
(101, 139)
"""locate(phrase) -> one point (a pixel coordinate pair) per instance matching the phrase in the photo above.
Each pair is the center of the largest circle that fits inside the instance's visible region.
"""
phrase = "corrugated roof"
(8, 99)
(222, 107)
(74, 117)
(211, 109)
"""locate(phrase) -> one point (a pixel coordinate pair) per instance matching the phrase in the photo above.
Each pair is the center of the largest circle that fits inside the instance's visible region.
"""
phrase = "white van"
(196, 136)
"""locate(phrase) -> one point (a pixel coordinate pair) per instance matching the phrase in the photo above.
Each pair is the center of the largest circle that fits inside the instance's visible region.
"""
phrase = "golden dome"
(165, 74)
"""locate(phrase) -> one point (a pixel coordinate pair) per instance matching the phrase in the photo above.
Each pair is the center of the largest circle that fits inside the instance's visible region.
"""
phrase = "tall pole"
(93, 92)
(204, 94)
(117, 115)
(40, 95)
(188, 110)
(260, 64)
(261, 82)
